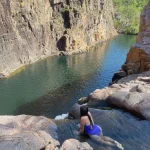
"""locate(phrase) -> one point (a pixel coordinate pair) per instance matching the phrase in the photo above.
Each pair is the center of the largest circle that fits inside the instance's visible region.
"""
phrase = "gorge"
(52, 86)
(32, 30)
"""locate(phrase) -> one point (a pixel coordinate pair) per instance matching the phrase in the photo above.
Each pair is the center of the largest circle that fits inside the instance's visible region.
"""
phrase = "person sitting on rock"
(88, 127)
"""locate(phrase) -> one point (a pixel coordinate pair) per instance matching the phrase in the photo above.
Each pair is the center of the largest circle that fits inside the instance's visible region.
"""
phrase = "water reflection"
(74, 74)
(42, 82)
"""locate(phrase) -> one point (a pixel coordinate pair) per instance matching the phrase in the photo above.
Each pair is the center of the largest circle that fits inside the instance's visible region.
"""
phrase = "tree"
(127, 15)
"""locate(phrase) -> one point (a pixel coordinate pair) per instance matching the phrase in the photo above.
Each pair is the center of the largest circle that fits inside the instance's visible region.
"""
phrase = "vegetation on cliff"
(127, 15)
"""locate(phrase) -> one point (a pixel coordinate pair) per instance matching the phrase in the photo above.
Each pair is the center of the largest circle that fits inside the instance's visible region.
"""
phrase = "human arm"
(91, 117)
(82, 123)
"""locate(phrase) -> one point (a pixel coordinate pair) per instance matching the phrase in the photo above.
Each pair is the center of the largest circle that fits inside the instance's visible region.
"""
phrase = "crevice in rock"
(68, 2)
(66, 17)
(61, 43)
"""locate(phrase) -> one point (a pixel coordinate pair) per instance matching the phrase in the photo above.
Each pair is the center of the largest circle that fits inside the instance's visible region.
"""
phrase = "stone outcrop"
(131, 93)
(33, 133)
(32, 30)
(73, 144)
(70, 144)
(138, 58)
(27, 132)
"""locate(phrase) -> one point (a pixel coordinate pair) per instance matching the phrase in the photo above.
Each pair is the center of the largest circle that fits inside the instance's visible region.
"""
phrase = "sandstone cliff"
(138, 58)
(31, 29)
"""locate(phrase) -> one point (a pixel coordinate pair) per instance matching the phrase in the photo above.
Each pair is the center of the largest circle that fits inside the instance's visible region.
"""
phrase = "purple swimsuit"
(95, 130)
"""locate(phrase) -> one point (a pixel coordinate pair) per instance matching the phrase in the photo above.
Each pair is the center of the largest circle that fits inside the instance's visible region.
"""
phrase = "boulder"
(33, 133)
(131, 93)
(74, 111)
(51, 147)
(99, 96)
(27, 132)
(73, 144)
(82, 100)
(117, 98)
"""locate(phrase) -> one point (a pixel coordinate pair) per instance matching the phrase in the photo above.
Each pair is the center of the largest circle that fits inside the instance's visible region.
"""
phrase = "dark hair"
(84, 112)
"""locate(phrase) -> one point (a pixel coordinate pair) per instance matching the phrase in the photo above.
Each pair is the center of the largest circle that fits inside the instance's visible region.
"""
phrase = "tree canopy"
(127, 15)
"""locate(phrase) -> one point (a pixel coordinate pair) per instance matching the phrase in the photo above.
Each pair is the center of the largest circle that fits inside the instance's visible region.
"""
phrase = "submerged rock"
(74, 111)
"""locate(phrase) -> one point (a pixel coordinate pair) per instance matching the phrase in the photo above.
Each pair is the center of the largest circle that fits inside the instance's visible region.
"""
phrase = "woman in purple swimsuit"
(87, 126)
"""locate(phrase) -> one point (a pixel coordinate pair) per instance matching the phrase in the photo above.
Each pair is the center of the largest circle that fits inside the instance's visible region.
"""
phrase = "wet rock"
(118, 75)
(74, 111)
(99, 117)
(62, 53)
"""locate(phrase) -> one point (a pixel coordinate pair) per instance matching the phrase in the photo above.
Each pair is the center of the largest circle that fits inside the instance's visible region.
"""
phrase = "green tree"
(127, 15)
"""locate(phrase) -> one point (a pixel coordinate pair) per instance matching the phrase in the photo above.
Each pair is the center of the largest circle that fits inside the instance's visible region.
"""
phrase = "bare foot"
(118, 146)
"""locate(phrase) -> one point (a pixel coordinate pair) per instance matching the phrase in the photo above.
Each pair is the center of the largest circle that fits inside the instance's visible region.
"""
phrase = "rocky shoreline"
(138, 58)
(36, 132)
(33, 30)
(131, 93)
(33, 133)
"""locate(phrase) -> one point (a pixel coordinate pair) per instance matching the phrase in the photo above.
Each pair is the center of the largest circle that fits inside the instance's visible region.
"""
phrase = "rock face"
(138, 58)
(131, 93)
(31, 30)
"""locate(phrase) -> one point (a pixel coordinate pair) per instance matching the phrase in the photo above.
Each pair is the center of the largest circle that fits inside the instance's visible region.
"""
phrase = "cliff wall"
(31, 30)
(138, 58)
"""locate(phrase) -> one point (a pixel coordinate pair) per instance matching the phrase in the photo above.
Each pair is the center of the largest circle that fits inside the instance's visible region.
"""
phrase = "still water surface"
(51, 86)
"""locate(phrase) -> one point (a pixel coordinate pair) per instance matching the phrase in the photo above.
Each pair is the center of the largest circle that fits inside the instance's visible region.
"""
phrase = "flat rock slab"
(33, 133)
(131, 93)
(26, 132)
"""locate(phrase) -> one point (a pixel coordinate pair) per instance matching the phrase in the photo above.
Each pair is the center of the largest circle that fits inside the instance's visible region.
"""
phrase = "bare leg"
(106, 138)
(106, 141)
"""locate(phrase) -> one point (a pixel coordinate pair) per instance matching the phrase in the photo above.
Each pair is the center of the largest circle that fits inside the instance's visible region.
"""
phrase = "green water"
(49, 87)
